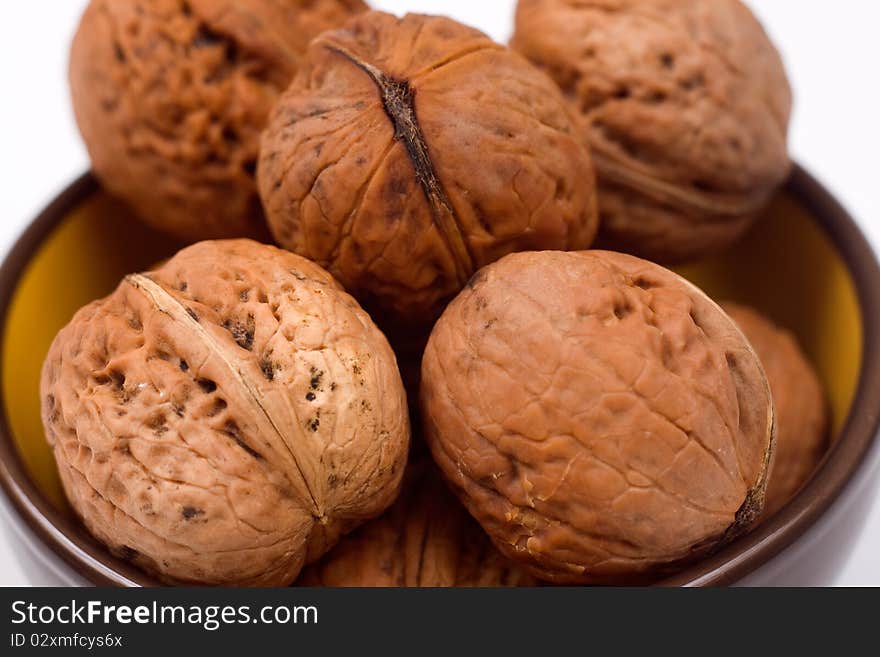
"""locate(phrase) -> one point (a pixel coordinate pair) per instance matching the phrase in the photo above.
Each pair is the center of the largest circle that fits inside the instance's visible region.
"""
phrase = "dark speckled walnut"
(600, 416)
(686, 106)
(225, 418)
(407, 153)
(426, 539)
(171, 96)
(801, 406)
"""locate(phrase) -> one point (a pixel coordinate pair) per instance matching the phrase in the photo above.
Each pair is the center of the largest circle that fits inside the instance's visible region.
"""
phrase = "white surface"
(831, 58)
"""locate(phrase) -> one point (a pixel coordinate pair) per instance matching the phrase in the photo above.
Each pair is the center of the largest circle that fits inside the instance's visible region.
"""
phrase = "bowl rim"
(66, 537)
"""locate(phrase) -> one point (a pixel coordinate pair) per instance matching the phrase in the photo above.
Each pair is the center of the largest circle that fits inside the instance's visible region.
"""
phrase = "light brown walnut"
(225, 418)
(600, 416)
(801, 405)
(171, 95)
(426, 539)
(686, 107)
(409, 152)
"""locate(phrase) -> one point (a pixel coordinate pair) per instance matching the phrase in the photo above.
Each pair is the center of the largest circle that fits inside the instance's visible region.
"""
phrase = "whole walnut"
(224, 418)
(426, 539)
(171, 96)
(407, 153)
(600, 417)
(686, 107)
(801, 408)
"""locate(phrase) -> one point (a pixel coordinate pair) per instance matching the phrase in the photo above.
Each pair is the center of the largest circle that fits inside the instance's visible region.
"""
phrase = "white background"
(832, 52)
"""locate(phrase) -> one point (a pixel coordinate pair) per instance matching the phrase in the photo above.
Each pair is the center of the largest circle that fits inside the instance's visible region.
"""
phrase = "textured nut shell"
(598, 415)
(171, 96)
(224, 418)
(800, 403)
(426, 539)
(409, 152)
(686, 106)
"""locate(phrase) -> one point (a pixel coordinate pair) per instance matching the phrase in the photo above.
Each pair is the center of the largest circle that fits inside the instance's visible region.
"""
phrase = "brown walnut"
(224, 418)
(801, 406)
(407, 153)
(686, 107)
(426, 539)
(599, 416)
(171, 96)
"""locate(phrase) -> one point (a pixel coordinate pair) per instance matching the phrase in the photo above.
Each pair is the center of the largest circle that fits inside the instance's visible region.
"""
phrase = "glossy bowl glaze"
(805, 264)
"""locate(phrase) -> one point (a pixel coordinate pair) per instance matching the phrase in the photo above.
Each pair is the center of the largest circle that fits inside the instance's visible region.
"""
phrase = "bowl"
(805, 264)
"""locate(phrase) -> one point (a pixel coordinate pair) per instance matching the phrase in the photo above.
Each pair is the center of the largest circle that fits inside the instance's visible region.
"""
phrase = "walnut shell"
(598, 415)
(686, 106)
(426, 539)
(224, 418)
(801, 406)
(409, 152)
(171, 95)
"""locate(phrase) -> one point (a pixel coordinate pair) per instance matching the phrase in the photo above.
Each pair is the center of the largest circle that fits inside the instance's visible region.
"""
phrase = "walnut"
(599, 416)
(425, 539)
(171, 96)
(409, 152)
(224, 418)
(801, 407)
(686, 107)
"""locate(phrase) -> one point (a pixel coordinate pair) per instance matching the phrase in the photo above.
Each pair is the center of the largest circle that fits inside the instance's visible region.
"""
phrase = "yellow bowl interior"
(786, 267)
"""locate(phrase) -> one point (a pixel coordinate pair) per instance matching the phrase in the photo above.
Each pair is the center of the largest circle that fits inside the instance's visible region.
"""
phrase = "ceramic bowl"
(805, 264)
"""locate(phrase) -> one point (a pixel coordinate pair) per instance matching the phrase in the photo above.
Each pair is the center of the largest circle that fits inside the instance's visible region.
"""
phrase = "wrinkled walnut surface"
(409, 152)
(225, 417)
(171, 96)
(686, 105)
(801, 408)
(597, 414)
(426, 539)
